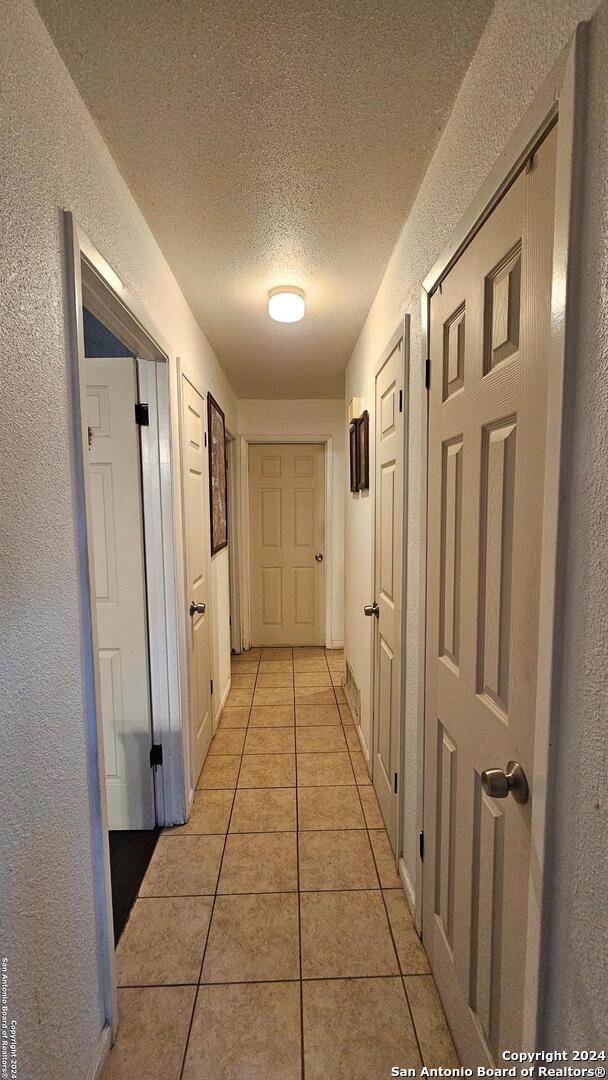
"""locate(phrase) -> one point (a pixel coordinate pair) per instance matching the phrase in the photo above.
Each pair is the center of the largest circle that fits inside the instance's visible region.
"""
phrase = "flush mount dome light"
(286, 304)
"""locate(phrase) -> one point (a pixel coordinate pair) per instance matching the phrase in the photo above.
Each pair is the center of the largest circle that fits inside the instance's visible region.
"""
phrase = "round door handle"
(498, 784)
(197, 609)
(372, 609)
(319, 556)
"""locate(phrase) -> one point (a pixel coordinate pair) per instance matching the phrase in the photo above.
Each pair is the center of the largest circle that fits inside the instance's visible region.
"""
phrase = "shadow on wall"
(99, 341)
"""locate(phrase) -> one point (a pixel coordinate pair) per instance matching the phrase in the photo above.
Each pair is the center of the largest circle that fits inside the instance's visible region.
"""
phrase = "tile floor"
(271, 938)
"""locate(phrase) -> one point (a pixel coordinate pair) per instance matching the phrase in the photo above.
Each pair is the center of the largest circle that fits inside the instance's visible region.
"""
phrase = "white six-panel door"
(116, 502)
(196, 523)
(287, 530)
(389, 572)
(489, 342)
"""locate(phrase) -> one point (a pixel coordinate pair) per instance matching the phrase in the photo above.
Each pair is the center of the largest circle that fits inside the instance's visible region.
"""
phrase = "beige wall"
(51, 900)
(516, 51)
(301, 417)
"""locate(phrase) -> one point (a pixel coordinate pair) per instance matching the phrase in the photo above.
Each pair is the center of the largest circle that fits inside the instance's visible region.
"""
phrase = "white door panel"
(489, 347)
(118, 555)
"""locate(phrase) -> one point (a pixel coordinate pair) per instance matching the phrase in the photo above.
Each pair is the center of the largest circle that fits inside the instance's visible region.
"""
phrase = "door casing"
(245, 442)
(560, 97)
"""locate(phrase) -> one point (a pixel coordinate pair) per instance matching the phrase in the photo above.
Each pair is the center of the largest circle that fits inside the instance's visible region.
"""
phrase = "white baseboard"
(104, 1045)
(337, 645)
(408, 887)
(364, 746)
(216, 718)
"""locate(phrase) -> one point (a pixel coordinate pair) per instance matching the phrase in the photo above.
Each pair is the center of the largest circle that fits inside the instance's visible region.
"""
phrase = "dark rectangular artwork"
(354, 478)
(363, 452)
(218, 495)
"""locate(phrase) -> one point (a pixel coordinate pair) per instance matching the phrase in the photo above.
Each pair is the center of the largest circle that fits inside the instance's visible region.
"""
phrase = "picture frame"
(218, 487)
(363, 452)
(354, 472)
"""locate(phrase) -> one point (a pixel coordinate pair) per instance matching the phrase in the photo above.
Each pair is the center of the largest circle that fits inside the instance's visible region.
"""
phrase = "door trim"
(561, 97)
(402, 333)
(233, 545)
(245, 442)
(91, 278)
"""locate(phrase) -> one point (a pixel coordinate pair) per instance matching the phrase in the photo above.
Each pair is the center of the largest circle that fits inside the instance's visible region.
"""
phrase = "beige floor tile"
(329, 808)
(242, 681)
(183, 866)
(274, 695)
(340, 695)
(277, 654)
(357, 1028)
(320, 740)
(164, 941)
(268, 770)
(345, 714)
(245, 1031)
(385, 860)
(412, 956)
(314, 715)
(337, 678)
(346, 934)
(266, 810)
(228, 741)
(309, 663)
(315, 695)
(244, 667)
(219, 771)
(430, 1023)
(270, 741)
(336, 860)
(335, 663)
(276, 667)
(234, 718)
(324, 770)
(281, 681)
(253, 938)
(210, 813)
(272, 716)
(259, 863)
(359, 767)
(352, 738)
(239, 698)
(371, 808)
(312, 678)
(152, 1034)
(309, 650)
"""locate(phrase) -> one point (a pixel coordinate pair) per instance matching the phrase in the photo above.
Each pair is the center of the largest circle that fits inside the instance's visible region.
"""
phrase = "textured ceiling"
(268, 144)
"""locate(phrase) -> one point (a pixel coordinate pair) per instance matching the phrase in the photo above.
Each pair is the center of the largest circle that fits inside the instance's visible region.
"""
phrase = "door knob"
(372, 609)
(197, 609)
(319, 556)
(498, 784)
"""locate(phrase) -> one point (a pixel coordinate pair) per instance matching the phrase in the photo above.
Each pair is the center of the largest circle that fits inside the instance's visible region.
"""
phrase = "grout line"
(302, 1061)
(266, 982)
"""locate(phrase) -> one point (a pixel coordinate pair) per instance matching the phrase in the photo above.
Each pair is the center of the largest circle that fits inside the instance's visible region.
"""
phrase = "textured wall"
(520, 43)
(53, 157)
(322, 417)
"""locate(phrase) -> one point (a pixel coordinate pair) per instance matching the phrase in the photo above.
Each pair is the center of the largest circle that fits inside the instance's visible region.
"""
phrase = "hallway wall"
(314, 417)
(53, 157)
(521, 41)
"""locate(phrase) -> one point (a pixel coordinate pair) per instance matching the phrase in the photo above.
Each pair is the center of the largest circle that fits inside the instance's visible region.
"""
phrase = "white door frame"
(236, 636)
(92, 280)
(561, 97)
(402, 333)
(245, 442)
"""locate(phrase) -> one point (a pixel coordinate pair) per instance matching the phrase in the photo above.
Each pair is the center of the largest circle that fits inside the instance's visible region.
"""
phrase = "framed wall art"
(354, 472)
(218, 493)
(363, 452)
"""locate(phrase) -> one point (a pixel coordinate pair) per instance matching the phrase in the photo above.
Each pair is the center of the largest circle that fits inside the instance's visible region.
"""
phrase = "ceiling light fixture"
(286, 304)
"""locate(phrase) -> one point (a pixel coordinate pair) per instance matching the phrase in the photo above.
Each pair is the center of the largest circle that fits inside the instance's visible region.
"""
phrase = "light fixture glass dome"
(286, 304)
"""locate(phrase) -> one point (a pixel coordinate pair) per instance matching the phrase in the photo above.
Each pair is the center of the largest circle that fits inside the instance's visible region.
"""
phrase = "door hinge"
(211, 685)
(142, 414)
(156, 755)
(205, 438)
(427, 373)
(401, 401)
(230, 620)
(421, 846)
(395, 784)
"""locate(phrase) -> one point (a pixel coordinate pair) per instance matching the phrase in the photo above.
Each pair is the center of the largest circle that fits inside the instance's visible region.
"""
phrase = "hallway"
(271, 937)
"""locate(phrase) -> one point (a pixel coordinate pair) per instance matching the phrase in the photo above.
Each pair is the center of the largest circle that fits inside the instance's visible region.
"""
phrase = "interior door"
(389, 571)
(287, 533)
(489, 341)
(196, 522)
(118, 553)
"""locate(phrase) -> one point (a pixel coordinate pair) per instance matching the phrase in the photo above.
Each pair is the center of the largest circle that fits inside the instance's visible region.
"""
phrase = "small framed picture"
(363, 452)
(218, 492)
(354, 475)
